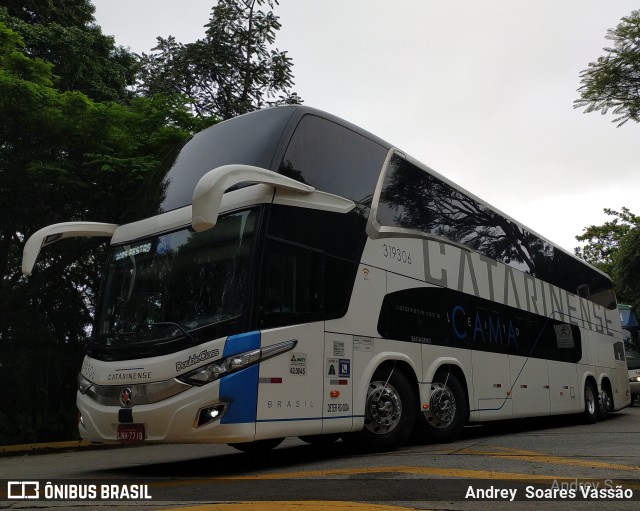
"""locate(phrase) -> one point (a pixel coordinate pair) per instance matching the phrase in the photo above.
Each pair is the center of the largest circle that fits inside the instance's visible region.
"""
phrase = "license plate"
(130, 433)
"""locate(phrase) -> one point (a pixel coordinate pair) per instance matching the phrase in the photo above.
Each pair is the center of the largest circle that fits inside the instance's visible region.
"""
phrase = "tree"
(628, 267)
(613, 81)
(63, 32)
(63, 157)
(231, 71)
(63, 12)
(603, 240)
(614, 248)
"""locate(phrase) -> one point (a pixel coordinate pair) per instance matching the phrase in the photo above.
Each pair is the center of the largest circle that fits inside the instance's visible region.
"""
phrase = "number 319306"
(396, 254)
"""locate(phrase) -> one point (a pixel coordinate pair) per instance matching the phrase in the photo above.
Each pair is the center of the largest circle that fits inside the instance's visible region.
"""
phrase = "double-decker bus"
(294, 275)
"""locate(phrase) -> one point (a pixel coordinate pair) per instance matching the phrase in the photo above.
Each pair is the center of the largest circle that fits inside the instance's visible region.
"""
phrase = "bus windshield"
(168, 285)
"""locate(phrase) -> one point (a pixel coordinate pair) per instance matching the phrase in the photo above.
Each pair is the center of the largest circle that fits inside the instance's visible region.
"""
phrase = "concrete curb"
(44, 448)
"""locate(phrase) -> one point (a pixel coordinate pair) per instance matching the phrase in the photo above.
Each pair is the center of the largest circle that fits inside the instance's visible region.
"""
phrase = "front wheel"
(389, 414)
(447, 412)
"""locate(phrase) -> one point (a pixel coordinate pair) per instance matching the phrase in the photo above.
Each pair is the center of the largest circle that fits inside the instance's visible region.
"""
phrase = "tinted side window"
(444, 317)
(333, 159)
(291, 288)
(338, 234)
(338, 237)
(412, 198)
(249, 139)
(339, 275)
(633, 360)
(300, 285)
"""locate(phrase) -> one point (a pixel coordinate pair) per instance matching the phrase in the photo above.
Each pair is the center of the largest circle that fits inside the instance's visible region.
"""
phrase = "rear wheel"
(605, 404)
(590, 413)
(390, 412)
(448, 409)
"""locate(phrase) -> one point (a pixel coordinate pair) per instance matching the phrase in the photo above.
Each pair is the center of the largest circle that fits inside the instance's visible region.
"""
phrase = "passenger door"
(291, 307)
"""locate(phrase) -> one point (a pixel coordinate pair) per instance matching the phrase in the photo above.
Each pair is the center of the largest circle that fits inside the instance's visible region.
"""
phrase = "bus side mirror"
(207, 195)
(56, 232)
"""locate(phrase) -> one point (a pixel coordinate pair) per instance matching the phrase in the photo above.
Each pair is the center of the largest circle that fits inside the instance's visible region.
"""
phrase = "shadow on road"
(290, 457)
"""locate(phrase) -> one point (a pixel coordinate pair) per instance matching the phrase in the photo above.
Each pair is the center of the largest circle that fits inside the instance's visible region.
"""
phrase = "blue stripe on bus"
(312, 418)
(240, 343)
(241, 389)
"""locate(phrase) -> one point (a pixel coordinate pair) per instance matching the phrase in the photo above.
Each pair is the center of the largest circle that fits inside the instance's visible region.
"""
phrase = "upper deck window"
(333, 159)
(250, 139)
(412, 198)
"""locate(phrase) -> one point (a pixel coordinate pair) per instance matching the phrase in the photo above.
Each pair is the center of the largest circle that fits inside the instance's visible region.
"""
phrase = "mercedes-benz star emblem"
(125, 396)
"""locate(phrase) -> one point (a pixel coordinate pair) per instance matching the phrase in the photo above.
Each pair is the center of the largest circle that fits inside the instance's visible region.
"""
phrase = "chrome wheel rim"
(442, 407)
(383, 409)
(606, 401)
(590, 400)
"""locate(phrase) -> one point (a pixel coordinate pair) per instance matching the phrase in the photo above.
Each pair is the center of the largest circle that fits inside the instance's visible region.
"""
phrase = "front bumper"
(172, 420)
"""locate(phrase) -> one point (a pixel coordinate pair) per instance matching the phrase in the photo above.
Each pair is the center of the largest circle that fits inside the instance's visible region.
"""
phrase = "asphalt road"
(529, 461)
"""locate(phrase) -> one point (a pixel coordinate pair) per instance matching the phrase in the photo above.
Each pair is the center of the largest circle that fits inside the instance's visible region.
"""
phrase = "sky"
(480, 91)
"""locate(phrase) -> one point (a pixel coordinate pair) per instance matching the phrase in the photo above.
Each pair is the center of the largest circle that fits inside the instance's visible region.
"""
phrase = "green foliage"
(614, 247)
(613, 81)
(65, 35)
(77, 144)
(71, 13)
(603, 240)
(231, 71)
(628, 267)
(63, 156)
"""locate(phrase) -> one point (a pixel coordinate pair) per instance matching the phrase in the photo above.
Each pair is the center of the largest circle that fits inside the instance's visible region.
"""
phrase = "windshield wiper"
(182, 329)
(141, 332)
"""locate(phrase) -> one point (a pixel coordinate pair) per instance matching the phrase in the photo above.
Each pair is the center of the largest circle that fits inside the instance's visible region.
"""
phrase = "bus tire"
(591, 405)
(448, 409)
(258, 446)
(605, 404)
(390, 412)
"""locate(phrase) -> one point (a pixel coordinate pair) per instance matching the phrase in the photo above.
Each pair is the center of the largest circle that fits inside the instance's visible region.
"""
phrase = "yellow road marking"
(293, 506)
(539, 457)
(497, 452)
(430, 471)
(321, 474)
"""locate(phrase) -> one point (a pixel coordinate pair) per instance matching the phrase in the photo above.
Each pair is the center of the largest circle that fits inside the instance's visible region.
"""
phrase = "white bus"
(294, 275)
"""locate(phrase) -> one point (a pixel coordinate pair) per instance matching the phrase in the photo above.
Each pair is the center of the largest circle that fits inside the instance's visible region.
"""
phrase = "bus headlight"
(635, 379)
(203, 375)
(219, 368)
(83, 384)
